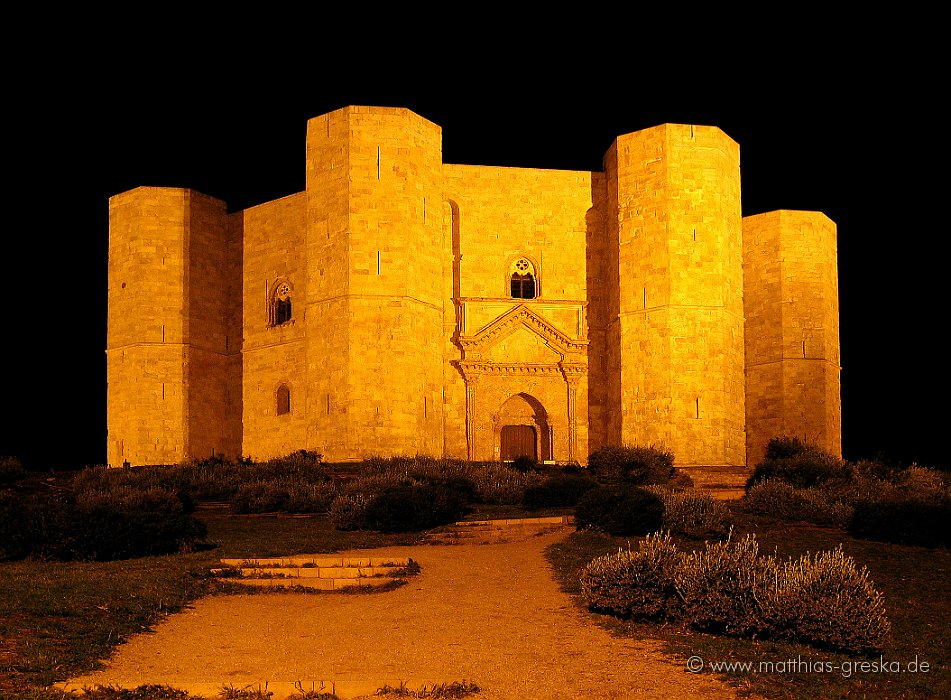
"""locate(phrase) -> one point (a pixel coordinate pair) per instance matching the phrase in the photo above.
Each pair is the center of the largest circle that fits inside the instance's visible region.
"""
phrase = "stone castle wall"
(404, 336)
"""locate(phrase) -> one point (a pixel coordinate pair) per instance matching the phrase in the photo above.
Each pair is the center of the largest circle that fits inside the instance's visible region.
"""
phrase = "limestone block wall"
(170, 360)
(504, 214)
(602, 285)
(213, 331)
(274, 354)
(674, 191)
(376, 232)
(792, 339)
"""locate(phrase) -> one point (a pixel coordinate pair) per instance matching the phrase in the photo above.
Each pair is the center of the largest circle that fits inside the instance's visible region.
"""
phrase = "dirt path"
(490, 614)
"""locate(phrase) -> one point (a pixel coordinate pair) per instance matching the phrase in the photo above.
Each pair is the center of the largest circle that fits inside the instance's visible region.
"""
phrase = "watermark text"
(798, 664)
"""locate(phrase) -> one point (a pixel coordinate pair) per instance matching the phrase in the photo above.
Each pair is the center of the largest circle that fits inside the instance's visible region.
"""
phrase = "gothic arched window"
(283, 400)
(524, 282)
(280, 311)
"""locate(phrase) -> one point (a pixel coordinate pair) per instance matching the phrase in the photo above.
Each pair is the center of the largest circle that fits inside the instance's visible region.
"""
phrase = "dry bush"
(693, 513)
(349, 511)
(780, 499)
(827, 601)
(722, 586)
(638, 585)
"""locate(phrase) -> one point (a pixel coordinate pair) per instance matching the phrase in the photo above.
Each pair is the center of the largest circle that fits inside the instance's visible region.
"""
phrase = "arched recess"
(283, 397)
(522, 419)
(452, 217)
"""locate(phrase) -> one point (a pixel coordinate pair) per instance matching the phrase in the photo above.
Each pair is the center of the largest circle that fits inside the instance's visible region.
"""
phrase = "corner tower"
(792, 322)
(173, 340)
(374, 305)
(675, 335)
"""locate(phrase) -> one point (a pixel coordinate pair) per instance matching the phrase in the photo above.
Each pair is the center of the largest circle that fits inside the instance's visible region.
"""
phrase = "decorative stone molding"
(511, 321)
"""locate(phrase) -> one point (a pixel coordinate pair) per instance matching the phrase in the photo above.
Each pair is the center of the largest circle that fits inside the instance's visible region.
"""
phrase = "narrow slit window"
(283, 400)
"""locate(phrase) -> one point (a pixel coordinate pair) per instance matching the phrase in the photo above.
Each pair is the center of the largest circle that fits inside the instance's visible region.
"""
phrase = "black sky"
(858, 137)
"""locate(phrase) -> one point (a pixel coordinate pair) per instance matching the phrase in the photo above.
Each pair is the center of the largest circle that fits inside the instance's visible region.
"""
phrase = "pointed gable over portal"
(521, 353)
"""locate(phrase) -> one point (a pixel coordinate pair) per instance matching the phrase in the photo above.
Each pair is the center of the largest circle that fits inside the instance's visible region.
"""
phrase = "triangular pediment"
(528, 330)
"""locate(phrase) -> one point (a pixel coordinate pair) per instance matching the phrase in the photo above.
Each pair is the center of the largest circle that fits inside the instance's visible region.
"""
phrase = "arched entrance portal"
(522, 429)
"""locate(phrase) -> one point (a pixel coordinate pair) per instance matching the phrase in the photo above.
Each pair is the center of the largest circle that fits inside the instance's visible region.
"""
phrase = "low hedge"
(413, 508)
(620, 510)
(902, 522)
(55, 526)
(558, 491)
(636, 465)
(799, 464)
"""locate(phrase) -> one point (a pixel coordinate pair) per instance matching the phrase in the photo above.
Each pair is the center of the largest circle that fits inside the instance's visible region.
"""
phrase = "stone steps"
(319, 572)
(721, 482)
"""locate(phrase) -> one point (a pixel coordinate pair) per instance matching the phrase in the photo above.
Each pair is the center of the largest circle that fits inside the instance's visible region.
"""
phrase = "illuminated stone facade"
(402, 305)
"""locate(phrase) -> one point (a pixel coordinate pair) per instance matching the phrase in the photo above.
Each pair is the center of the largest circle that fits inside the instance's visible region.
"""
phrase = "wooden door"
(518, 440)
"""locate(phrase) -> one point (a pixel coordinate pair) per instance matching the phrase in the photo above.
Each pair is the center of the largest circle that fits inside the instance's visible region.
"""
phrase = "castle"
(403, 305)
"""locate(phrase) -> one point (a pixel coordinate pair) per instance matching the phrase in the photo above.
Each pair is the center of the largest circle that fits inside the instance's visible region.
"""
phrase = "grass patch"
(916, 583)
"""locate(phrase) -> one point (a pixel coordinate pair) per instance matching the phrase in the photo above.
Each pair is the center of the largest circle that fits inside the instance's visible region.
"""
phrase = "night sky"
(860, 140)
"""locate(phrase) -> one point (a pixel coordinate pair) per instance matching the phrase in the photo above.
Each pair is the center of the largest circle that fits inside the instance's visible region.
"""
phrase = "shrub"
(785, 448)
(923, 485)
(56, 526)
(910, 522)
(260, 497)
(638, 585)
(301, 460)
(524, 463)
(461, 485)
(10, 470)
(778, 499)
(798, 464)
(722, 586)
(631, 465)
(413, 508)
(620, 510)
(826, 601)
(557, 491)
(349, 511)
(497, 484)
(695, 514)
(492, 482)
(728, 588)
(130, 499)
(311, 498)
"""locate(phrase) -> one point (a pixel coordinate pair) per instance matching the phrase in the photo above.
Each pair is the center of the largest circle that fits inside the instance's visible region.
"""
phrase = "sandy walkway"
(491, 614)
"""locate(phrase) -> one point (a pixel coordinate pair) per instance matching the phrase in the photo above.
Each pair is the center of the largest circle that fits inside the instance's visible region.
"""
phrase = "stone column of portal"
(792, 322)
(168, 337)
(675, 194)
(375, 251)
